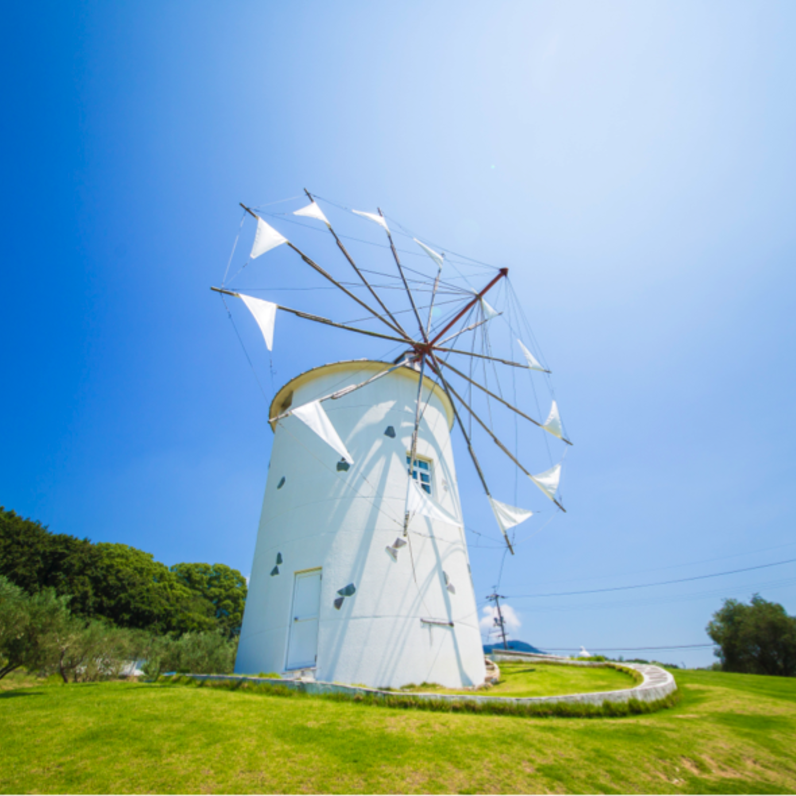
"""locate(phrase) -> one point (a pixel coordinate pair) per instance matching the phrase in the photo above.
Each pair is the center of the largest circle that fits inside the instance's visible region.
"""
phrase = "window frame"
(418, 471)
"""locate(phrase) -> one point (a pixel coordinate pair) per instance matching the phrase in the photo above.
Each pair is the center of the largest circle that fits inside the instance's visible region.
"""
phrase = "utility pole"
(499, 620)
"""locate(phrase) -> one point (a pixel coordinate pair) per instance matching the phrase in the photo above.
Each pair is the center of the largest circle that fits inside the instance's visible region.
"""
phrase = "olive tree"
(29, 625)
(759, 638)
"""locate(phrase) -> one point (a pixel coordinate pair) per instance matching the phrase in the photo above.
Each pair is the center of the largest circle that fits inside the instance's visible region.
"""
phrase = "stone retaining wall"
(657, 684)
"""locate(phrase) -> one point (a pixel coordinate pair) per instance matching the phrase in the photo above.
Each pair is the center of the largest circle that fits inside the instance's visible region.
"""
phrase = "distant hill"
(520, 646)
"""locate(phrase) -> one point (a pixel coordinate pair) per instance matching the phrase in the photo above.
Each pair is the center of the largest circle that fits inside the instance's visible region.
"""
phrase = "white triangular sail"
(437, 258)
(312, 211)
(316, 418)
(533, 364)
(508, 516)
(418, 502)
(265, 239)
(553, 422)
(265, 314)
(548, 481)
(489, 312)
(380, 220)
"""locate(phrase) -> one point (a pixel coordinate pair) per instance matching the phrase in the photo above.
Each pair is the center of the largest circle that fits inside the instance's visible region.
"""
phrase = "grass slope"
(729, 734)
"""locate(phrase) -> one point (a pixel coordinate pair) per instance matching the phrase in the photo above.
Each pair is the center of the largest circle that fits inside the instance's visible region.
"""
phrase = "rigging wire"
(411, 253)
(245, 352)
(406, 233)
(234, 246)
(277, 202)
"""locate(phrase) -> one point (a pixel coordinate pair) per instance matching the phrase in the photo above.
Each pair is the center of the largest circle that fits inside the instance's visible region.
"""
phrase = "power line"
(635, 602)
(634, 649)
(670, 566)
(648, 585)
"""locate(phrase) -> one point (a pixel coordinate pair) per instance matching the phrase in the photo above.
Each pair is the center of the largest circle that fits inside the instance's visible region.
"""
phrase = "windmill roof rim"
(365, 364)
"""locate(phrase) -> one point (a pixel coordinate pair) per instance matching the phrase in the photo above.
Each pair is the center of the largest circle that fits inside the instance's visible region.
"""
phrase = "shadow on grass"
(10, 694)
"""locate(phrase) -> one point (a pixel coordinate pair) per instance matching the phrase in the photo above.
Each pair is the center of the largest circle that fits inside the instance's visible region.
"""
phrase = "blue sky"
(632, 164)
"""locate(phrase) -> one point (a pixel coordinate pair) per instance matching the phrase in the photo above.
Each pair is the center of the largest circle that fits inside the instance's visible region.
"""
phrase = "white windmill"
(361, 570)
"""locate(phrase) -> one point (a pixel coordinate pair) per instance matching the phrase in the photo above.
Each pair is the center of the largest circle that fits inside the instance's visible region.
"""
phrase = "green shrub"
(193, 653)
(95, 650)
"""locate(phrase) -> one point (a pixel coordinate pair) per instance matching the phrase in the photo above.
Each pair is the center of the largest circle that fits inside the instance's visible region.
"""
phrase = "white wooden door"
(302, 650)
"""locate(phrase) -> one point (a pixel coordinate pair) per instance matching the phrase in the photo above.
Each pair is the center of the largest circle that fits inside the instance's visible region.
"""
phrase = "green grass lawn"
(525, 679)
(729, 734)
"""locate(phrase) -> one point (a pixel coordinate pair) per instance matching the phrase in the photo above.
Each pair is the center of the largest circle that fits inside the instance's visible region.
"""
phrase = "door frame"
(290, 621)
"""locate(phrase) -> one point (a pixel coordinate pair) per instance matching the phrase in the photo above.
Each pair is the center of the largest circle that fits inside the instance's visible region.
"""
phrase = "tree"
(33, 558)
(28, 627)
(119, 583)
(131, 589)
(223, 587)
(759, 638)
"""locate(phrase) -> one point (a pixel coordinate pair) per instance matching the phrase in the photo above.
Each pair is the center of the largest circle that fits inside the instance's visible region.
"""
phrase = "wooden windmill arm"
(318, 319)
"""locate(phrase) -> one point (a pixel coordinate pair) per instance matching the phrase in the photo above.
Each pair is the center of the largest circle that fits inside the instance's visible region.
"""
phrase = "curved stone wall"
(656, 684)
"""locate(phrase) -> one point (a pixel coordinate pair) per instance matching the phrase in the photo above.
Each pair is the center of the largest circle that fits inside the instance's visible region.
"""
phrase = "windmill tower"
(334, 584)
(361, 570)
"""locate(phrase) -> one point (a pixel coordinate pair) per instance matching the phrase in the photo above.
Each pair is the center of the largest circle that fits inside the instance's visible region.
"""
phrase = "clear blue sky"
(632, 163)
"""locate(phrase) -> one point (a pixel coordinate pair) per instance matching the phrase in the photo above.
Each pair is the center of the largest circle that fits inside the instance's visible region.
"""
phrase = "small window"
(421, 472)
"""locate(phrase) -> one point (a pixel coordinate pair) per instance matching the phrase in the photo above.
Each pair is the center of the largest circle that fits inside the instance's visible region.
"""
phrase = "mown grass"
(525, 679)
(728, 734)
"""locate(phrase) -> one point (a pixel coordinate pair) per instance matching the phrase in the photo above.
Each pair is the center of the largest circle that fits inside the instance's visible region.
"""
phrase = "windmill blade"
(403, 278)
(337, 284)
(482, 356)
(498, 398)
(462, 331)
(361, 275)
(412, 464)
(469, 443)
(318, 319)
(497, 441)
(413, 449)
(332, 396)
(433, 297)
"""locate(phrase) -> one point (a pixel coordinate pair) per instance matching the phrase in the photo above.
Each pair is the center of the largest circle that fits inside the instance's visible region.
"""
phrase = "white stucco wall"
(341, 521)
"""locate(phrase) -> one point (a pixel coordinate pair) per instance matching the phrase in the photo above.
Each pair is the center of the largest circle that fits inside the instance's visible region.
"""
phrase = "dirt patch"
(689, 764)
(719, 770)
